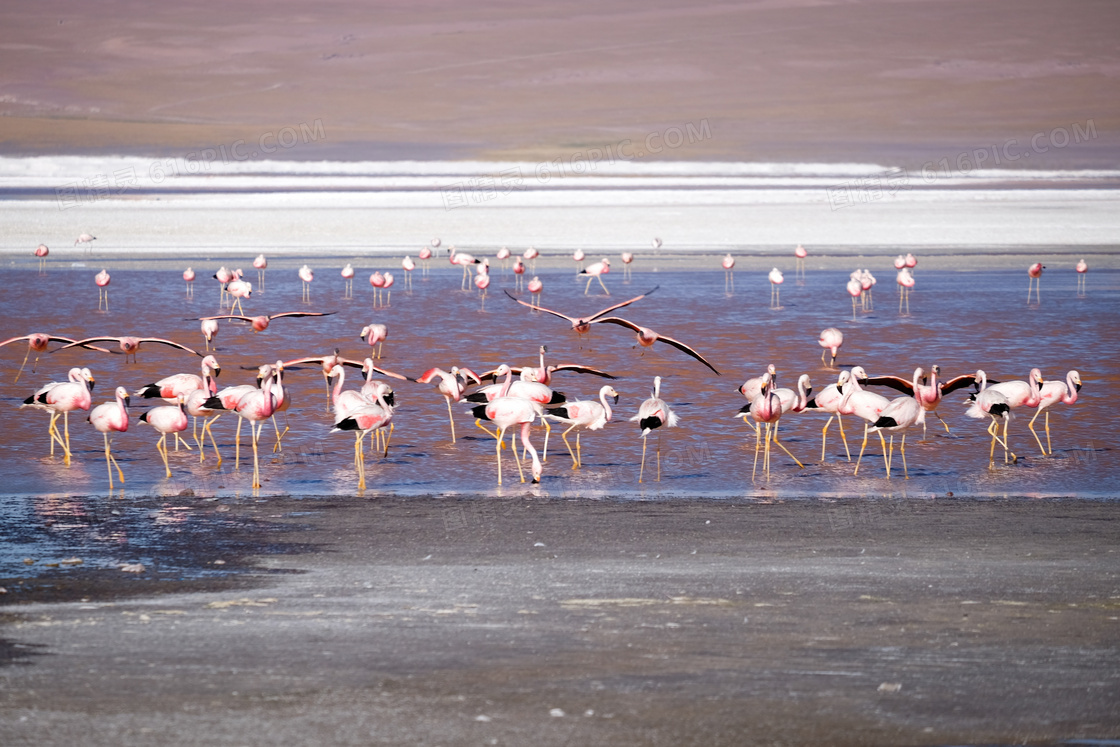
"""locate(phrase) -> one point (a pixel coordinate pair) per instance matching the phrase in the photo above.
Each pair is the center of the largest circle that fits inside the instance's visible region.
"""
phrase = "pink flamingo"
(863, 404)
(866, 283)
(209, 329)
(911, 263)
(776, 280)
(451, 385)
(829, 401)
(800, 253)
(582, 325)
(1021, 394)
(464, 260)
(503, 256)
(257, 407)
(195, 404)
(728, 264)
(348, 281)
(345, 401)
(261, 264)
(899, 262)
(753, 387)
(128, 345)
(578, 257)
(647, 337)
(588, 415)
(60, 398)
(111, 417)
(831, 339)
(370, 416)
(1051, 393)
(482, 282)
(37, 342)
(223, 276)
(188, 278)
(531, 255)
(505, 411)
(1082, 273)
(260, 323)
(238, 289)
(855, 290)
(905, 284)
(991, 403)
(388, 288)
(306, 274)
(325, 363)
(596, 271)
(1034, 281)
(627, 259)
(425, 255)
(166, 419)
(41, 252)
(535, 287)
(898, 416)
(518, 274)
(408, 266)
(654, 413)
(101, 279)
(170, 388)
(226, 400)
(543, 374)
(766, 409)
(86, 239)
(928, 393)
(377, 282)
(374, 335)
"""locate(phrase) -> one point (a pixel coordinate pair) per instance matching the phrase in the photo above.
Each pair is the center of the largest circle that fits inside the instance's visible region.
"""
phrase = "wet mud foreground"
(573, 622)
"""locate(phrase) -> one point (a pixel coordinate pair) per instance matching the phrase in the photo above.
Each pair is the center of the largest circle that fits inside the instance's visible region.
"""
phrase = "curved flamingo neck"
(606, 405)
(338, 384)
(507, 383)
(1070, 395)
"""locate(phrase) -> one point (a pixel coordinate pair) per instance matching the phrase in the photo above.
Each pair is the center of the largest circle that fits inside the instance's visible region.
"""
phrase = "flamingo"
(866, 283)
(226, 399)
(195, 404)
(101, 279)
(1082, 274)
(596, 271)
(531, 255)
(37, 342)
(326, 363)
(209, 328)
(425, 254)
(654, 413)
(831, 339)
(171, 388)
(408, 266)
(238, 289)
(728, 273)
(111, 417)
(905, 284)
(766, 409)
(589, 415)
(1034, 281)
(503, 256)
(374, 335)
(482, 282)
(128, 345)
(855, 290)
(582, 325)
(377, 282)
(911, 261)
(348, 281)
(898, 416)
(535, 288)
(223, 276)
(518, 274)
(388, 288)
(41, 252)
(260, 323)
(87, 239)
(899, 262)
(462, 259)
(1051, 393)
(627, 259)
(166, 419)
(863, 404)
(60, 398)
(656, 243)
(930, 393)
(451, 386)
(543, 374)
(752, 388)
(647, 337)
(370, 416)
(256, 407)
(578, 256)
(261, 264)
(991, 403)
(1020, 394)
(505, 411)
(306, 274)
(829, 401)
(344, 400)
(800, 253)
(188, 278)
(776, 279)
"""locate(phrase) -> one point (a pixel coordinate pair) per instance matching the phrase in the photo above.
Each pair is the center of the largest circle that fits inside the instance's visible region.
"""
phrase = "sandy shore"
(440, 621)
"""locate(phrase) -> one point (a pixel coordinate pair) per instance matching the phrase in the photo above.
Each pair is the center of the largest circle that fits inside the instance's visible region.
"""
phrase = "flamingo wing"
(620, 322)
(301, 313)
(661, 338)
(385, 372)
(959, 382)
(595, 317)
(226, 316)
(86, 344)
(582, 369)
(170, 343)
(571, 320)
(894, 382)
(428, 376)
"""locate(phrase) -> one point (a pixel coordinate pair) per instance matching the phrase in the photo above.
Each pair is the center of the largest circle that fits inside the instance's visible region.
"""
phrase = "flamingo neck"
(606, 405)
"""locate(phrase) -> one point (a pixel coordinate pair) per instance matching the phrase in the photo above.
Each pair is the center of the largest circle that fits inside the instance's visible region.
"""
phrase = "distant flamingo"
(855, 290)
(127, 344)
(829, 401)
(166, 419)
(408, 266)
(535, 288)
(261, 264)
(578, 257)
(101, 279)
(377, 282)
(374, 335)
(482, 282)
(867, 283)
(348, 281)
(991, 403)
(41, 252)
(776, 279)
(656, 243)
(899, 262)
(503, 256)
(1082, 274)
(582, 325)
(238, 289)
(911, 261)
(60, 398)
(905, 284)
(188, 278)
(85, 238)
(627, 259)
(37, 342)
(451, 385)
(596, 271)
(306, 274)
(1034, 281)
(1051, 393)
(531, 255)
(504, 412)
(654, 413)
(589, 415)
(518, 274)
(260, 323)
(647, 337)
(728, 273)
(464, 260)
(388, 288)
(223, 276)
(831, 339)
(111, 417)
(425, 255)
(800, 254)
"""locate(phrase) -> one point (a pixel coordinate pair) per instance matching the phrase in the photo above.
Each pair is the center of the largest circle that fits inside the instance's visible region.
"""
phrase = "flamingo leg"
(237, 441)
(181, 441)
(279, 435)
(161, 446)
(659, 456)
(547, 433)
(25, 357)
(564, 435)
(255, 429)
(993, 429)
(643, 467)
(1033, 431)
(861, 448)
(902, 449)
(579, 453)
(942, 423)
(824, 435)
(206, 429)
(493, 433)
(66, 427)
(600, 279)
(840, 421)
(498, 452)
(387, 437)
(1049, 448)
(360, 460)
(450, 417)
(757, 441)
(588, 288)
(887, 454)
(781, 446)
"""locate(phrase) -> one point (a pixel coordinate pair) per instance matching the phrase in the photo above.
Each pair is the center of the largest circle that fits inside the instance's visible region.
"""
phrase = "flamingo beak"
(127, 401)
(616, 399)
(217, 371)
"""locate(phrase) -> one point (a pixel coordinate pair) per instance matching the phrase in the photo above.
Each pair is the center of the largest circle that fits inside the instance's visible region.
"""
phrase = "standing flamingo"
(928, 393)
(535, 287)
(1034, 281)
(654, 413)
(257, 407)
(306, 274)
(37, 342)
(261, 264)
(195, 405)
(776, 279)
(578, 257)
(831, 339)
(226, 400)
(482, 282)
(238, 289)
(898, 416)
(911, 261)
(101, 279)
(905, 284)
(863, 404)
(596, 271)
(866, 283)
(1021, 394)
(388, 288)
(1082, 274)
(589, 415)
(1051, 393)
(899, 262)
(60, 398)
(408, 266)
(223, 276)
(41, 252)
(991, 403)
(425, 255)
(374, 335)
(829, 401)
(531, 255)
(627, 259)
(111, 417)
(370, 416)
(855, 290)
(503, 256)
(188, 278)
(464, 260)
(728, 273)
(348, 281)
(505, 411)
(451, 385)
(86, 239)
(800, 254)
(377, 282)
(518, 274)
(166, 419)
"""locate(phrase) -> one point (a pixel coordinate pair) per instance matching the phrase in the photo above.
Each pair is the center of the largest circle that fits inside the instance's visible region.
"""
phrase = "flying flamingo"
(863, 404)
(589, 415)
(1020, 394)
(1053, 392)
(831, 339)
(728, 273)
(377, 282)
(60, 398)
(928, 393)
(101, 279)
(829, 401)
(656, 243)
(166, 419)
(128, 345)
(462, 259)
(85, 238)
(543, 373)
(503, 256)
(776, 279)
(326, 363)
(653, 414)
(408, 266)
(451, 386)
(582, 325)
(596, 271)
(627, 259)
(800, 254)
(238, 289)
(482, 282)
(531, 255)
(388, 288)
(991, 403)
(188, 278)
(578, 257)
(425, 255)
(1082, 274)
(348, 281)
(41, 252)
(1034, 281)
(306, 274)
(535, 288)
(260, 323)
(855, 290)
(37, 342)
(647, 337)
(111, 417)
(519, 274)
(905, 284)
(261, 264)
(898, 416)
(367, 417)
(374, 335)
(505, 411)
